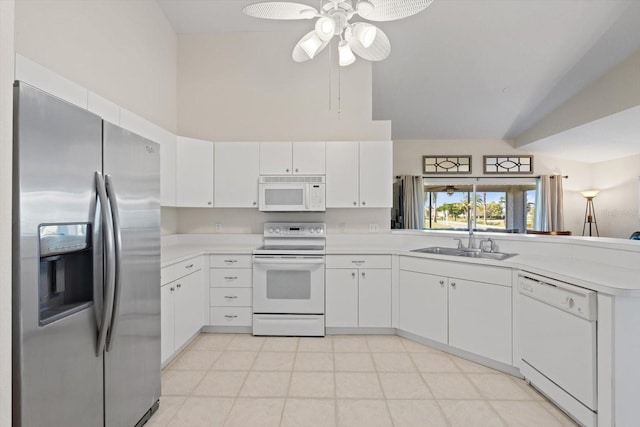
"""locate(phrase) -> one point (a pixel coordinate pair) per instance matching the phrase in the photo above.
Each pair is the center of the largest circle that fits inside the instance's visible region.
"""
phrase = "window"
(500, 204)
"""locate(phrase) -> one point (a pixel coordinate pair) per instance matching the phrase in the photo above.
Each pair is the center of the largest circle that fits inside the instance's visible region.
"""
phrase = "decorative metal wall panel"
(507, 164)
(447, 165)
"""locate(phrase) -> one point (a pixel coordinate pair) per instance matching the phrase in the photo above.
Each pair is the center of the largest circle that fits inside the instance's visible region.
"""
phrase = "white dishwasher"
(559, 344)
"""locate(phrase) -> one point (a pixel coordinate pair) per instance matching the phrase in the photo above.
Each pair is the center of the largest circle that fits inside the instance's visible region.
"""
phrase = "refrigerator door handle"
(117, 235)
(109, 282)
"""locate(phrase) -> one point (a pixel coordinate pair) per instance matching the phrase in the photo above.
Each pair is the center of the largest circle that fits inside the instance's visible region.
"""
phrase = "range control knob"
(271, 230)
(278, 230)
(312, 230)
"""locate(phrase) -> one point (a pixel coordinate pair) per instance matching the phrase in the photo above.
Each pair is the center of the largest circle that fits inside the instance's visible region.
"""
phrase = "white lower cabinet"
(423, 305)
(230, 290)
(358, 297)
(182, 311)
(439, 301)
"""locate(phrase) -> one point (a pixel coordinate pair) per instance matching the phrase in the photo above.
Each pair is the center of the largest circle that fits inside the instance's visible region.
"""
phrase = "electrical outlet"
(373, 228)
(218, 228)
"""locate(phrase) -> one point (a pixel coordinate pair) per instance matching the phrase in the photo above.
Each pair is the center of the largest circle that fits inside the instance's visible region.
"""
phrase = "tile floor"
(237, 380)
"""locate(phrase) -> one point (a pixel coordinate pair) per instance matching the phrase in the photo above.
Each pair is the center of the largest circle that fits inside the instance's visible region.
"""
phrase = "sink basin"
(439, 250)
(488, 255)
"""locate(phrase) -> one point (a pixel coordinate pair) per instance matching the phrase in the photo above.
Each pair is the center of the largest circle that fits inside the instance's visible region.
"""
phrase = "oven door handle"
(279, 260)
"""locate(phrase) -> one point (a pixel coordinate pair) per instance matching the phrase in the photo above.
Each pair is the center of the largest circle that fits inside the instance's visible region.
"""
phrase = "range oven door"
(288, 284)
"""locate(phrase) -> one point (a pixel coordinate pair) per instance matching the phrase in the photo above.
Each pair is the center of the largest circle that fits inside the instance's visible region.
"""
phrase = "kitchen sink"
(439, 250)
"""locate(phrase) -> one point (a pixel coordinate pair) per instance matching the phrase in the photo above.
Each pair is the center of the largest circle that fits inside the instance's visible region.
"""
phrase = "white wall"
(6, 144)
(407, 160)
(617, 205)
(245, 86)
(124, 51)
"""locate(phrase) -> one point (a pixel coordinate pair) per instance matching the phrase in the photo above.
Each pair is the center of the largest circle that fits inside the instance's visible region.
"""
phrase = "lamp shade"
(589, 194)
(308, 47)
(345, 55)
(325, 28)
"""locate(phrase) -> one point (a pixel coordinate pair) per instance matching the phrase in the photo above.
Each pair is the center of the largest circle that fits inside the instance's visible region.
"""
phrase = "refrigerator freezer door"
(132, 359)
(57, 378)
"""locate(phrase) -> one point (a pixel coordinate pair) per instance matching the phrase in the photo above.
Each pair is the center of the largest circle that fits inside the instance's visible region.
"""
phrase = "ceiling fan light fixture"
(311, 45)
(365, 33)
(364, 8)
(345, 55)
(325, 28)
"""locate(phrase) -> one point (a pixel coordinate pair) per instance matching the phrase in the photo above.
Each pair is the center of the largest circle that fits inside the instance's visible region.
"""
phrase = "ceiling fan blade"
(390, 10)
(378, 50)
(280, 10)
(308, 47)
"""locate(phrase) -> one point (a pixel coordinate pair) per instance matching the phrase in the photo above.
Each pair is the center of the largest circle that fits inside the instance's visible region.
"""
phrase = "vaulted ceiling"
(467, 69)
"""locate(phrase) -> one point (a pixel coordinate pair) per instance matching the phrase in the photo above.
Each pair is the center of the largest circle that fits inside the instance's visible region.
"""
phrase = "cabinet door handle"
(364, 203)
(353, 275)
(179, 285)
(442, 282)
(231, 277)
(296, 169)
(231, 296)
(172, 289)
(255, 203)
(230, 261)
(231, 316)
(287, 170)
(209, 203)
(188, 266)
(355, 203)
(358, 262)
(363, 274)
(453, 284)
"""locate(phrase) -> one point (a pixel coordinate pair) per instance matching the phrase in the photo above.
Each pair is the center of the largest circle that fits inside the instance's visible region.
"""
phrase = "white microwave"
(291, 193)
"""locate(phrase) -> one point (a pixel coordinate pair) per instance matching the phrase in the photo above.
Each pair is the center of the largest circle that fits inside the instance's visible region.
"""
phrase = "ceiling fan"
(359, 38)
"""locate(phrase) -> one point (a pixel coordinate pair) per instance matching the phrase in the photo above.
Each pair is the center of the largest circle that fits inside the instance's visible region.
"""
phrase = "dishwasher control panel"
(570, 298)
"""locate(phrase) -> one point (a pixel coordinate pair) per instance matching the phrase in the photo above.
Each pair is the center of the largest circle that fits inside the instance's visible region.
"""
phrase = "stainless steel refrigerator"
(86, 268)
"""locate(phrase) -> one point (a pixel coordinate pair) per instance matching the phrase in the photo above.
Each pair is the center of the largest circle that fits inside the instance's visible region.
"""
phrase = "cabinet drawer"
(230, 297)
(359, 261)
(230, 261)
(230, 316)
(230, 277)
(180, 269)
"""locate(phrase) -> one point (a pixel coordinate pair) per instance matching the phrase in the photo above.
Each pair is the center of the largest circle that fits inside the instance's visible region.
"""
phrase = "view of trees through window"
(507, 208)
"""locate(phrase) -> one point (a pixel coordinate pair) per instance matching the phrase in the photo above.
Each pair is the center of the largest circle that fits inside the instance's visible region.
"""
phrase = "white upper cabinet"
(194, 168)
(376, 174)
(275, 158)
(168, 176)
(309, 158)
(359, 174)
(237, 167)
(342, 180)
(297, 158)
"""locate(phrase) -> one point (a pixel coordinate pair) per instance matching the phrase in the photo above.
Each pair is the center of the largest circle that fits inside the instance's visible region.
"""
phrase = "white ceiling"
(470, 68)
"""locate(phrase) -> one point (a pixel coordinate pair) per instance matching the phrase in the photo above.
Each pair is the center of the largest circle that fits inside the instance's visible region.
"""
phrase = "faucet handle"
(459, 243)
(491, 245)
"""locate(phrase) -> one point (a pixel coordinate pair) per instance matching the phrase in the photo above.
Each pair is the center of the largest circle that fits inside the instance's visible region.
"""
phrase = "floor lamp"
(590, 212)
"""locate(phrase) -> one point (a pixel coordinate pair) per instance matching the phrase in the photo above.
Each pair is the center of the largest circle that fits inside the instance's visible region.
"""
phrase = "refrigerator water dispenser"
(66, 270)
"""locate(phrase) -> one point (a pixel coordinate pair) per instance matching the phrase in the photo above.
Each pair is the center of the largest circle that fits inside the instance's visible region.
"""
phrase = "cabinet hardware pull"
(364, 203)
(363, 274)
(296, 169)
(230, 260)
(453, 284)
(354, 203)
(230, 316)
(172, 289)
(231, 296)
(353, 274)
(255, 203)
(209, 203)
(231, 277)
(442, 282)
(287, 170)
(357, 262)
(179, 285)
(188, 266)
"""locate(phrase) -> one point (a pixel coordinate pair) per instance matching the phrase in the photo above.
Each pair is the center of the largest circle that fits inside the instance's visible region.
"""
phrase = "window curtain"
(549, 209)
(413, 202)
